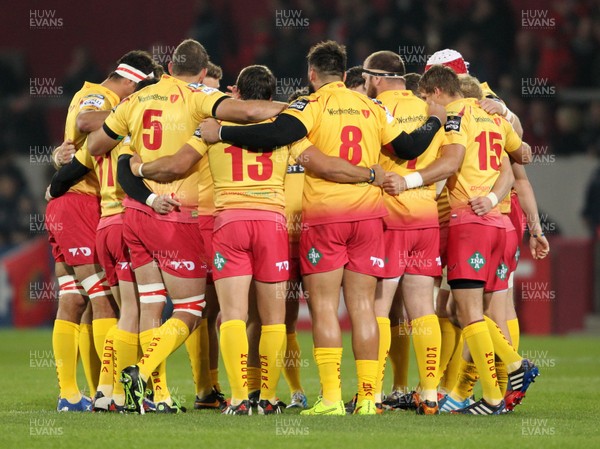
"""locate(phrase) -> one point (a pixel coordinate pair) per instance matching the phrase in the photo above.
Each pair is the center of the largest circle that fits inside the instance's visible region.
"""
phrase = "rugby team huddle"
(405, 195)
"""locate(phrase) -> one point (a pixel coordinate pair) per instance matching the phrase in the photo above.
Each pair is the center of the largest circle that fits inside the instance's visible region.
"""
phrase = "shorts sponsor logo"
(124, 265)
(518, 254)
(314, 256)
(219, 261)
(187, 264)
(82, 251)
(284, 265)
(377, 262)
(477, 261)
(502, 271)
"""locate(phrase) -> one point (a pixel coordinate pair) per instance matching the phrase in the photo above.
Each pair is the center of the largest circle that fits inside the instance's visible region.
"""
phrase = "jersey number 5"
(153, 139)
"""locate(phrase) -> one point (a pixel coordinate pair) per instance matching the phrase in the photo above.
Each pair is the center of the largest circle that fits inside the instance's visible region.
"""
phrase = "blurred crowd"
(538, 55)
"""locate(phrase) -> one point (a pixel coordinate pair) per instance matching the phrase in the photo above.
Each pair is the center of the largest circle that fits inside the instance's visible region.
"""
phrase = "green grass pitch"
(560, 411)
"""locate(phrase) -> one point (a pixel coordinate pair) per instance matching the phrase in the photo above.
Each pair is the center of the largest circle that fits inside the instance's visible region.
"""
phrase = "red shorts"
(354, 245)
(176, 247)
(475, 253)
(511, 250)
(71, 221)
(412, 251)
(207, 223)
(444, 243)
(251, 247)
(517, 217)
(295, 261)
(113, 253)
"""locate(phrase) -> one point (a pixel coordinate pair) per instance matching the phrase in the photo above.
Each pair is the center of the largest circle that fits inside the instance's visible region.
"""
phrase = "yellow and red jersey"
(105, 167)
(244, 179)
(485, 138)
(343, 123)
(160, 119)
(206, 201)
(294, 185)
(414, 208)
(443, 207)
(91, 97)
(488, 92)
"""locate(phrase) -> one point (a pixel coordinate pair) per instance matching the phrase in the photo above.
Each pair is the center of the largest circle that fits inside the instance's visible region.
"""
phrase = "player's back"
(415, 208)
(342, 123)
(91, 97)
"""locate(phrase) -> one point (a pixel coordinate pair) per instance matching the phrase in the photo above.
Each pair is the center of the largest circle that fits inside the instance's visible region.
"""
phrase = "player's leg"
(292, 361)
(253, 328)
(87, 352)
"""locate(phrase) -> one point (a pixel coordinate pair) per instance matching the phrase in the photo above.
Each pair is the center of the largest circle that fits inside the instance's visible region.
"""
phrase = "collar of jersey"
(469, 101)
(113, 97)
(403, 93)
(333, 85)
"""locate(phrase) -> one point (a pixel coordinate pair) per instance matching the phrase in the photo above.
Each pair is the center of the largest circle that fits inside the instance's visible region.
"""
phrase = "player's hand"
(491, 106)
(134, 164)
(539, 246)
(47, 196)
(163, 204)
(64, 153)
(394, 184)
(379, 175)
(234, 91)
(481, 205)
(209, 129)
(438, 111)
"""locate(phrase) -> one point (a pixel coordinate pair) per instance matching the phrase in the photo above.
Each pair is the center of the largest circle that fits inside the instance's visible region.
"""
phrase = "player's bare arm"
(166, 168)
(88, 121)
(522, 155)
(248, 111)
(339, 170)
(481, 205)
(538, 244)
(99, 142)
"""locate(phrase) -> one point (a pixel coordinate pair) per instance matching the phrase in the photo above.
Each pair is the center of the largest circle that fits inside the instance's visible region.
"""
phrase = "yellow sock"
(65, 341)
(291, 363)
(502, 376)
(89, 357)
(126, 354)
(107, 364)
(234, 348)
(367, 372)
(253, 379)
(214, 377)
(481, 346)
(100, 328)
(167, 338)
(502, 346)
(451, 373)
(467, 378)
(328, 362)
(450, 337)
(159, 376)
(515, 332)
(272, 351)
(427, 339)
(205, 382)
(398, 355)
(192, 346)
(385, 338)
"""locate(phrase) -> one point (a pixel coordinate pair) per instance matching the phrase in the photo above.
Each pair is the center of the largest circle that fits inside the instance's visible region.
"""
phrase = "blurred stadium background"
(541, 57)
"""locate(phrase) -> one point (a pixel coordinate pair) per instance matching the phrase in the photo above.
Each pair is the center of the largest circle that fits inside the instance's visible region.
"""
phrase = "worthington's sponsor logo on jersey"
(411, 119)
(153, 97)
(340, 111)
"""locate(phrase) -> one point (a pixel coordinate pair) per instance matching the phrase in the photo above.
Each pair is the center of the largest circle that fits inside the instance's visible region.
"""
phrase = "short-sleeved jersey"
(414, 208)
(294, 185)
(488, 92)
(244, 179)
(105, 167)
(485, 138)
(343, 123)
(160, 119)
(206, 201)
(91, 97)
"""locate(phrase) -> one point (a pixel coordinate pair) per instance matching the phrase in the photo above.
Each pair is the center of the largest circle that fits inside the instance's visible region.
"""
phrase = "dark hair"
(412, 82)
(354, 77)
(444, 78)
(299, 92)
(214, 71)
(256, 82)
(328, 58)
(138, 59)
(146, 82)
(388, 61)
(189, 58)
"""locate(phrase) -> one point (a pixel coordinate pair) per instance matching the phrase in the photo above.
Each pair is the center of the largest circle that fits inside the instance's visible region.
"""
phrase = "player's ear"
(170, 67)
